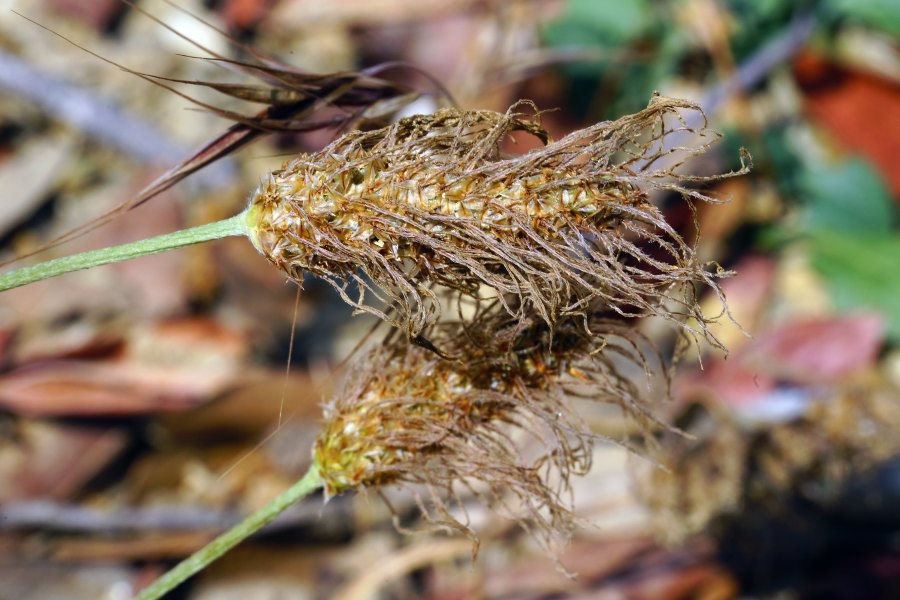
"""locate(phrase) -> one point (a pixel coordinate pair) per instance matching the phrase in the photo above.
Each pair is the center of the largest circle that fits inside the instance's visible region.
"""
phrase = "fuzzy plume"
(432, 200)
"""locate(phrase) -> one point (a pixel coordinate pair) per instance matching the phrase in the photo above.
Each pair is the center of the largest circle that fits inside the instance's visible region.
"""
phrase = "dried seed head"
(497, 422)
(431, 200)
(411, 418)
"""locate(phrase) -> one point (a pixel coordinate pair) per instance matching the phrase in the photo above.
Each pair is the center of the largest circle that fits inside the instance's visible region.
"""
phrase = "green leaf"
(862, 272)
(880, 14)
(638, 48)
(849, 197)
(609, 23)
(753, 22)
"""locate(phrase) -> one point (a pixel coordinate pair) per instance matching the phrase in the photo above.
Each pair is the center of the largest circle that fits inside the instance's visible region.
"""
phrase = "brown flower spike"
(432, 200)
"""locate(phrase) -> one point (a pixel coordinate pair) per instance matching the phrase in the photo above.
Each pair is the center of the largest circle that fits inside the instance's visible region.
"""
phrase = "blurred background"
(140, 403)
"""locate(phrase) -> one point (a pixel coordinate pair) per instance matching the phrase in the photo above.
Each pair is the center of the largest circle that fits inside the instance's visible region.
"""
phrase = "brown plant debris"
(433, 200)
(733, 470)
(496, 423)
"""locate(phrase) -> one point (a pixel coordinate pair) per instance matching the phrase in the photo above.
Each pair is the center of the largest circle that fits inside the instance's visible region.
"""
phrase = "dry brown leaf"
(861, 110)
(28, 177)
(173, 366)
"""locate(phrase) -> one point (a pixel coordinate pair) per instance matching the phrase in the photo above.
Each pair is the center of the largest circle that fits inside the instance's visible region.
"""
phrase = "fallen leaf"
(818, 351)
(244, 15)
(99, 14)
(171, 366)
(538, 577)
(41, 580)
(862, 112)
(27, 179)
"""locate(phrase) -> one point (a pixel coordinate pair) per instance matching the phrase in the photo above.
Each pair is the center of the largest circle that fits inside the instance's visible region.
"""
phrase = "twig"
(99, 117)
(54, 516)
(775, 53)
(402, 563)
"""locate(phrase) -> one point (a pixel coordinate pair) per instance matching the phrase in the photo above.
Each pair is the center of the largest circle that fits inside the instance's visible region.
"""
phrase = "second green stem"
(228, 540)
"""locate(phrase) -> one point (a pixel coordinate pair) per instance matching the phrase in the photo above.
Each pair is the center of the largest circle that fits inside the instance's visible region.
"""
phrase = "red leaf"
(862, 112)
(818, 350)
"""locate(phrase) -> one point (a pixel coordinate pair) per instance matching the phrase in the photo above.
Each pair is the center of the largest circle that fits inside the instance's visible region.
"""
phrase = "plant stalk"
(236, 225)
(228, 540)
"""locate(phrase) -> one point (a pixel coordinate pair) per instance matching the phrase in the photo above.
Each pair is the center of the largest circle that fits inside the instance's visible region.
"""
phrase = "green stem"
(228, 540)
(236, 225)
